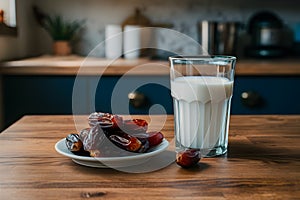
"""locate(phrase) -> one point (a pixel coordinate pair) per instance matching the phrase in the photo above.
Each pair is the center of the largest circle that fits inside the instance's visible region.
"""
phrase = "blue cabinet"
(111, 94)
(273, 95)
(68, 94)
(36, 95)
(23, 95)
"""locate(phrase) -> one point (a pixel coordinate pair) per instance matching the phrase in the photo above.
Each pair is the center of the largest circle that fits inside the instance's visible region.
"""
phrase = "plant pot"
(61, 48)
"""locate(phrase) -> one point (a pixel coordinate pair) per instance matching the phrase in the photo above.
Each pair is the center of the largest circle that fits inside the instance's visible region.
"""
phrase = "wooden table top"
(263, 162)
(73, 65)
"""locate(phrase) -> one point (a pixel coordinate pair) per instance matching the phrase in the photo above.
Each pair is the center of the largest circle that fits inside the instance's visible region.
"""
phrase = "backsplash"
(183, 15)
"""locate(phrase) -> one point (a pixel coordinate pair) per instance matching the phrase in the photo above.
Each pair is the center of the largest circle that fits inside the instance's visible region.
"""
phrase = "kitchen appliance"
(265, 29)
(218, 37)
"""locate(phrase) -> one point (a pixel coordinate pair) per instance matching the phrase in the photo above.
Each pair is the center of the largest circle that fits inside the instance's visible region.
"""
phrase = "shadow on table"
(267, 152)
(155, 163)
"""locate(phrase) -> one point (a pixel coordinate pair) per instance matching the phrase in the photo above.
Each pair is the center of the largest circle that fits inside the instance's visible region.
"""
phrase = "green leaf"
(59, 29)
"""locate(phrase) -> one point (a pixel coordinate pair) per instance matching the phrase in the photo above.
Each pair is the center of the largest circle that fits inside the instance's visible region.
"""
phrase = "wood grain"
(263, 162)
(73, 65)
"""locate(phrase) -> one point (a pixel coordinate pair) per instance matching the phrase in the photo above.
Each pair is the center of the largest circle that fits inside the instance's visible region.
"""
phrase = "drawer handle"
(252, 99)
(137, 99)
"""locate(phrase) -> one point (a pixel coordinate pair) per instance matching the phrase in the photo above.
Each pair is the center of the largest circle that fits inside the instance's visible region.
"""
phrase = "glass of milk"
(201, 87)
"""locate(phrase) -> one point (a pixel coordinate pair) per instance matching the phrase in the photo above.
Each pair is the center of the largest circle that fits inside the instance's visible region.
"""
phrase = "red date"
(135, 126)
(75, 145)
(125, 141)
(105, 120)
(188, 158)
(73, 142)
(154, 138)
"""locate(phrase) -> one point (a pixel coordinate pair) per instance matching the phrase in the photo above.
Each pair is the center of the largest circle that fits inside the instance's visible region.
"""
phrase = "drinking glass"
(201, 87)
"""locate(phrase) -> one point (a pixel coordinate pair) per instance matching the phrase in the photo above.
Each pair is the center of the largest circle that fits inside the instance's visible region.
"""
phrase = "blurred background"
(35, 79)
(183, 16)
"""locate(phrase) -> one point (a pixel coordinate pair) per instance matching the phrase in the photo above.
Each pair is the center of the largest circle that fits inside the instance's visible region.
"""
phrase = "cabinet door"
(83, 95)
(36, 95)
(112, 94)
(266, 95)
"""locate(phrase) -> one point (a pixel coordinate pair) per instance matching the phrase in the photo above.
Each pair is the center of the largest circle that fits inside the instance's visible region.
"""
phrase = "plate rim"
(164, 145)
(89, 164)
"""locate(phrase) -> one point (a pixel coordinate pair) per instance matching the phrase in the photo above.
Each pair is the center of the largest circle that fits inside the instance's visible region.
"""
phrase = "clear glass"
(201, 88)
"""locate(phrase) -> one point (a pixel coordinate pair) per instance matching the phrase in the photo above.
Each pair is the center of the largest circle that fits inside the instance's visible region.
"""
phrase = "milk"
(201, 110)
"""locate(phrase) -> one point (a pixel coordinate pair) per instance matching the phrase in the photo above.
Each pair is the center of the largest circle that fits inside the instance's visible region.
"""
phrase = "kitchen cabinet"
(53, 95)
(270, 95)
(36, 95)
(50, 89)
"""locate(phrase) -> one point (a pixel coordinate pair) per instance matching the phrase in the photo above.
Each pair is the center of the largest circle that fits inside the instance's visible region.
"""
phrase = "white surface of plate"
(111, 162)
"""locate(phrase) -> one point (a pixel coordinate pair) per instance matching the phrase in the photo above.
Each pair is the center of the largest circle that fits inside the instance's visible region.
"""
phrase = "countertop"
(77, 65)
(263, 162)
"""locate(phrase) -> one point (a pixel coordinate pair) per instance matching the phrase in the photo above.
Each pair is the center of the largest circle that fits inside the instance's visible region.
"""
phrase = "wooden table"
(263, 162)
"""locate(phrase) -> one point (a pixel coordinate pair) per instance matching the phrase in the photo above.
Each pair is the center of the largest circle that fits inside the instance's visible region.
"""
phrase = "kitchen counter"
(263, 162)
(73, 65)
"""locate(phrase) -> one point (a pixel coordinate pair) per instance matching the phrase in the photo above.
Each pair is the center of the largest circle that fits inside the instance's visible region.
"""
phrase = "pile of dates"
(127, 136)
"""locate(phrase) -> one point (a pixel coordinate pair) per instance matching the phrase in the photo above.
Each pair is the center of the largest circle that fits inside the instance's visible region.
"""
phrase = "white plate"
(111, 162)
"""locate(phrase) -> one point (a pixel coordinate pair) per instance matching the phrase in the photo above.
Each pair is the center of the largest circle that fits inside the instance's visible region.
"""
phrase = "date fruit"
(75, 145)
(73, 142)
(154, 138)
(188, 158)
(105, 120)
(125, 141)
(135, 126)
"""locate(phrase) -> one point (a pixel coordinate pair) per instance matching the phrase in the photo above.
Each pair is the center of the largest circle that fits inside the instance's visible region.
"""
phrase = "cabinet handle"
(137, 99)
(252, 99)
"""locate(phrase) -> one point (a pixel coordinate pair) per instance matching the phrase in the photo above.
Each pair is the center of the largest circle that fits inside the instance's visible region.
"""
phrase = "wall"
(21, 46)
(184, 15)
(24, 44)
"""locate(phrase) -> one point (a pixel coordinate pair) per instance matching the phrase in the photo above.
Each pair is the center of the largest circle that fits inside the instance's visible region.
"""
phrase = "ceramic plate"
(111, 162)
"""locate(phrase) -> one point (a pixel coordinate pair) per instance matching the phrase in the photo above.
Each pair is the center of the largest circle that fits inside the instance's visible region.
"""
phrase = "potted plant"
(62, 32)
